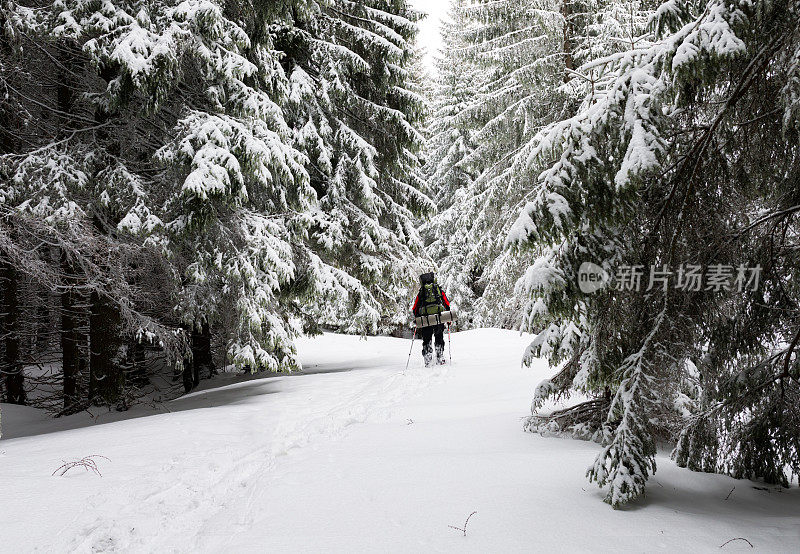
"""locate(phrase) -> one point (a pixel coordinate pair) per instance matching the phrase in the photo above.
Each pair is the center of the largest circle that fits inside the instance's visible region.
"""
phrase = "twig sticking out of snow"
(464, 530)
(737, 539)
(88, 463)
(729, 494)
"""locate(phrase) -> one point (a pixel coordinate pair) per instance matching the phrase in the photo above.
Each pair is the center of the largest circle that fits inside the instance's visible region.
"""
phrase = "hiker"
(431, 299)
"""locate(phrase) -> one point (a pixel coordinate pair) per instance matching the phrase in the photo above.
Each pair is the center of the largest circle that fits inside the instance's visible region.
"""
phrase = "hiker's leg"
(426, 334)
(439, 334)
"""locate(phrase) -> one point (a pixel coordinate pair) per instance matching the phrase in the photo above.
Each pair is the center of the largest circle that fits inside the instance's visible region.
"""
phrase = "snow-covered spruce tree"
(526, 51)
(172, 156)
(592, 30)
(517, 48)
(355, 115)
(449, 143)
(684, 151)
(54, 209)
(174, 82)
(535, 84)
(422, 83)
(604, 27)
(241, 190)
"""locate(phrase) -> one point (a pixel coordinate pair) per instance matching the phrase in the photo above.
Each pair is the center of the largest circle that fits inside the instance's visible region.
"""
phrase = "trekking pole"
(410, 349)
(449, 347)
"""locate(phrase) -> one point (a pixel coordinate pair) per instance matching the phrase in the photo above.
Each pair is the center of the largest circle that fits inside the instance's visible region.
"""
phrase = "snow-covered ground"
(355, 455)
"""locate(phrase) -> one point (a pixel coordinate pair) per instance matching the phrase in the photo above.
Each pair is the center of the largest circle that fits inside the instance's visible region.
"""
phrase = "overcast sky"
(429, 27)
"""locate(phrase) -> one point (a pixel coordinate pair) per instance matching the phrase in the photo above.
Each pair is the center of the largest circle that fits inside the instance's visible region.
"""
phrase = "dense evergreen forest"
(659, 142)
(188, 185)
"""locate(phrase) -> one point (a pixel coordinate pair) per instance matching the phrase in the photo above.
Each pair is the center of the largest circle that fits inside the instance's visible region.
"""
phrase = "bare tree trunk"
(201, 357)
(42, 326)
(569, 63)
(106, 378)
(71, 356)
(135, 361)
(12, 368)
(73, 309)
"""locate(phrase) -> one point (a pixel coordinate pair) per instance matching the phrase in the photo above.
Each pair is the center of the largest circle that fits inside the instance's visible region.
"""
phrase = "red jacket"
(445, 301)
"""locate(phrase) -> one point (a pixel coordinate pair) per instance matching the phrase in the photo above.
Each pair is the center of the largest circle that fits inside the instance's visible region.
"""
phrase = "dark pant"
(426, 334)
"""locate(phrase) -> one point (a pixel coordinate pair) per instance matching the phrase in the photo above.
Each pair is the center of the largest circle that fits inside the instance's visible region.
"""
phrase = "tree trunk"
(136, 358)
(106, 378)
(569, 64)
(11, 367)
(42, 322)
(201, 357)
(71, 356)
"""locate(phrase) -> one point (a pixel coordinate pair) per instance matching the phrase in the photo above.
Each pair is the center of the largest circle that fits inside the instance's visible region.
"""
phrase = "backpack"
(430, 296)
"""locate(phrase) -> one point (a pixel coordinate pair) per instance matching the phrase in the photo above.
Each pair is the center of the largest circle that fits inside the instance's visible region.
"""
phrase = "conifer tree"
(682, 152)
(449, 144)
(210, 173)
(356, 114)
(515, 48)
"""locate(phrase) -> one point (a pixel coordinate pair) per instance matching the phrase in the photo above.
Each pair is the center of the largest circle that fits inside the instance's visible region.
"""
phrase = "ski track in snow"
(276, 464)
(181, 493)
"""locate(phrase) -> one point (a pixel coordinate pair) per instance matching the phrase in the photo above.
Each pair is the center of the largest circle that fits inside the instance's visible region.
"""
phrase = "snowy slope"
(276, 465)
